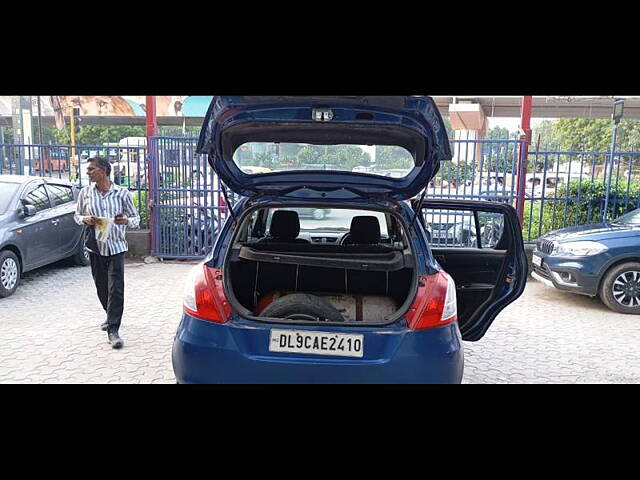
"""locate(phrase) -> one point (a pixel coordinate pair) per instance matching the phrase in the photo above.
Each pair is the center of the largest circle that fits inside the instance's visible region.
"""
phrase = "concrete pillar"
(469, 124)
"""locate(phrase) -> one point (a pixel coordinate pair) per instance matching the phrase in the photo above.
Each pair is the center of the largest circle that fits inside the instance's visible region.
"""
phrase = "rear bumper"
(237, 352)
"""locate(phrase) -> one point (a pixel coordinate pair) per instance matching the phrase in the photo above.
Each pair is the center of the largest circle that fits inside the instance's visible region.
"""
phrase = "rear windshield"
(7, 191)
(266, 157)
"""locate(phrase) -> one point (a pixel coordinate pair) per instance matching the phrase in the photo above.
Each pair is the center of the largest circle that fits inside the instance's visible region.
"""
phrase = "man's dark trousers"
(108, 275)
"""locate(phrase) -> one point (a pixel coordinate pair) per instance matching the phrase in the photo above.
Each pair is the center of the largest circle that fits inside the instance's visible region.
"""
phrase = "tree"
(586, 134)
(497, 133)
(393, 157)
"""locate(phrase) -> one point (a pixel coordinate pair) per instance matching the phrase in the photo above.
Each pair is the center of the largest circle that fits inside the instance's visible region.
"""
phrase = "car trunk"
(367, 284)
(363, 297)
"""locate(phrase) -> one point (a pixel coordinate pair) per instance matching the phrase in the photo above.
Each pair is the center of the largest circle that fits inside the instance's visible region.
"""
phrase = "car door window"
(450, 228)
(60, 194)
(459, 228)
(491, 229)
(38, 198)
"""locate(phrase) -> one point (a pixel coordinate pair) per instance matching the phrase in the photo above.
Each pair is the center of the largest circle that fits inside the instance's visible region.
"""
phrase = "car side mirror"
(28, 211)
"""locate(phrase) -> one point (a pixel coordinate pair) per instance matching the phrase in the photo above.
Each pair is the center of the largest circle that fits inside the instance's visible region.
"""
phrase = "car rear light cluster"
(435, 303)
(204, 295)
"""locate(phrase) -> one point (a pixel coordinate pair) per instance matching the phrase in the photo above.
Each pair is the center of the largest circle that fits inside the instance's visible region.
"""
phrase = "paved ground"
(49, 333)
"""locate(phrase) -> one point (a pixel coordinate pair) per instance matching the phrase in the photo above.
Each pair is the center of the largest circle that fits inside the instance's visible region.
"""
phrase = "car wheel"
(620, 289)
(81, 257)
(9, 273)
(302, 306)
(318, 214)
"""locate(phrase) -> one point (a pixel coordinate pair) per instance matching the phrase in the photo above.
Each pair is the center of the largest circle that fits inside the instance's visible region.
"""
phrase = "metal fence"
(568, 188)
(188, 204)
(480, 170)
(128, 166)
(562, 188)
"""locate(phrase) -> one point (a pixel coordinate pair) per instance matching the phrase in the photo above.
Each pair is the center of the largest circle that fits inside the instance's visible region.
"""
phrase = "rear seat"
(363, 238)
(285, 228)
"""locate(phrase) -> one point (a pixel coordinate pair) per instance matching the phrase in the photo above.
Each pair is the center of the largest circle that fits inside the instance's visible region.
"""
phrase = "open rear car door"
(480, 245)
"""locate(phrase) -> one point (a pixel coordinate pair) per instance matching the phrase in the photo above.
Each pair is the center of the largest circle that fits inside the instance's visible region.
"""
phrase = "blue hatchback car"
(600, 259)
(360, 296)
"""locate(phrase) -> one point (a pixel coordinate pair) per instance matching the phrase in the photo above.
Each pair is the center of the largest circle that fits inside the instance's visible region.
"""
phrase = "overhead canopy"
(546, 107)
(192, 110)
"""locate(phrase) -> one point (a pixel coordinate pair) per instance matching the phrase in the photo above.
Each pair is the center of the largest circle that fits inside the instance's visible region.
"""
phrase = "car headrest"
(365, 230)
(285, 224)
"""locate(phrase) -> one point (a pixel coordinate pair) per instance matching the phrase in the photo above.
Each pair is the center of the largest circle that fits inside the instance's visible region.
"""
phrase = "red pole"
(152, 130)
(152, 121)
(525, 140)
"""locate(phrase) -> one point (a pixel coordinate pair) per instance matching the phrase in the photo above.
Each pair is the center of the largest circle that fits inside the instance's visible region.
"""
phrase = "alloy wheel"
(9, 273)
(626, 289)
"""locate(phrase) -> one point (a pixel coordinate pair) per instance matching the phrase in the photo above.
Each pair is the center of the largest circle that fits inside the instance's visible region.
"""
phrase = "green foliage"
(457, 173)
(592, 195)
(141, 202)
(578, 204)
(388, 157)
(498, 133)
(88, 134)
(586, 134)
(99, 134)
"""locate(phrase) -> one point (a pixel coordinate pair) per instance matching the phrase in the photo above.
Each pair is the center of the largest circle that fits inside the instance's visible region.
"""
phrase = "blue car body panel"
(237, 352)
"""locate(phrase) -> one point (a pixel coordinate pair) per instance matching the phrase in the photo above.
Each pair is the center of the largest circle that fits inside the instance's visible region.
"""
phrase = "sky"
(511, 123)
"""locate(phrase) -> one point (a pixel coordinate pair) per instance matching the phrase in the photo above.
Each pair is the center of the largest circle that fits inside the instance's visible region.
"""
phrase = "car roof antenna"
(229, 205)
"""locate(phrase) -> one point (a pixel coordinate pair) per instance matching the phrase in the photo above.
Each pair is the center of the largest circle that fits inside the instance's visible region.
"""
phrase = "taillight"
(435, 303)
(204, 295)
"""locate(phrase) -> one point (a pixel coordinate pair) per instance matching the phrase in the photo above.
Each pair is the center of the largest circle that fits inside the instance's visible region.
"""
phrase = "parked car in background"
(597, 260)
(36, 227)
(364, 297)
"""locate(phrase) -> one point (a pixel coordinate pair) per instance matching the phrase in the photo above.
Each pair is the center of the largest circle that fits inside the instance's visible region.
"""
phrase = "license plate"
(316, 343)
(537, 260)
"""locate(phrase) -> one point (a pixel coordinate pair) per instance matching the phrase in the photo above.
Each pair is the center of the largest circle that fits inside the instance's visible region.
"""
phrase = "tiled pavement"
(49, 333)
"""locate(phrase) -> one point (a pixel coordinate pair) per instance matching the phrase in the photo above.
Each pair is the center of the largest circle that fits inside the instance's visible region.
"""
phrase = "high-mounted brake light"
(204, 295)
(435, 303)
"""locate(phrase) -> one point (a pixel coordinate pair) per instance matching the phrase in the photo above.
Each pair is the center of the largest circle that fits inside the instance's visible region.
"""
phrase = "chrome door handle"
(55, 222)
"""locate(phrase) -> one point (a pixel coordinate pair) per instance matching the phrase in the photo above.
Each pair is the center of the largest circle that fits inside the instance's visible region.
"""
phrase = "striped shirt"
(117, 200)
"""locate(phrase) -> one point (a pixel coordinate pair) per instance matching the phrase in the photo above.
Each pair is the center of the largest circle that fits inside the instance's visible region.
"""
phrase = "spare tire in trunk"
(302, 306)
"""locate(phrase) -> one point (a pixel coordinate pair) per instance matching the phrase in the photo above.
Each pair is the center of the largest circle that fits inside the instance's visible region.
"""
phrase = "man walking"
(108, 210)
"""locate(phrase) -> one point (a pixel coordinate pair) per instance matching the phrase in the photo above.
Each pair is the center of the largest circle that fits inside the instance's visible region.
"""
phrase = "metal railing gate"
(560, 188)
(187, 205)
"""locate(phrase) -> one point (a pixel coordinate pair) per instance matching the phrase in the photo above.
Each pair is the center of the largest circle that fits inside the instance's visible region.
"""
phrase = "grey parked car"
(36, 226)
